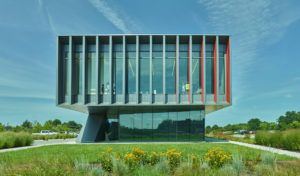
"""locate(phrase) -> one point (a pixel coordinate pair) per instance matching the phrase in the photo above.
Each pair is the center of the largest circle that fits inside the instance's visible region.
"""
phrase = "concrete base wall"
(93, 130)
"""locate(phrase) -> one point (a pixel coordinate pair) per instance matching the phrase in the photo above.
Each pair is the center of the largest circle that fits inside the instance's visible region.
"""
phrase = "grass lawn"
(90, 152)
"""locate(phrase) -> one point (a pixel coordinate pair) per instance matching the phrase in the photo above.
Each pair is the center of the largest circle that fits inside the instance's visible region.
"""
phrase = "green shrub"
(15, 139)
(285, 139)
(54, 136)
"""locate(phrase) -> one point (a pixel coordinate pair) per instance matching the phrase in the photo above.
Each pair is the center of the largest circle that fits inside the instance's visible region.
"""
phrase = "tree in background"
(26, 125)
(253, 124)
(2, 128)
(37, 127)
(56, 122)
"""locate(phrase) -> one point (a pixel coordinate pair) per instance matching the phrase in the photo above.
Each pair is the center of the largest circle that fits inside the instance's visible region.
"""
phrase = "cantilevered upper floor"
(101, 73)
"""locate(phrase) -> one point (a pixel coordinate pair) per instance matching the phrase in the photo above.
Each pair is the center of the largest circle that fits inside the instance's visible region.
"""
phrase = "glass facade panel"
(147, 134)
(157, 69)
(112, 132)
(104, 69)
(117, 69)
(78, 69)
(160, 126)
(222, 52)
(209, 68)
(183, 68)
(195, 126)
(196, 68)
(172, 126)
(131, 68)
(144, 69)
(170, 69)
(91, 72)
(66, 71)
(183, 126)
(165, 126)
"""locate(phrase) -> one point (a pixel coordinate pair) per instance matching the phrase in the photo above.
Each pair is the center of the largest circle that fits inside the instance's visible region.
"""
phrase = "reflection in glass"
(117, 69)
(195, 126)
(173, 126)
(78, 69)
(157, 69)
(196, 70)
(91, 85)
(166, 126)
(222, 52)
(170, 68)
(104, 69)
(66, 72)
(183, 126)
(209, 68)
(183, 68)
(131, 68)
(112, 132)
(147, 127)
(161, 126)
(144, 68)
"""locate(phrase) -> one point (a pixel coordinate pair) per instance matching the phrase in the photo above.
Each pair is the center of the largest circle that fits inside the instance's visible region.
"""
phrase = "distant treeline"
(291, 120)
(36, 127)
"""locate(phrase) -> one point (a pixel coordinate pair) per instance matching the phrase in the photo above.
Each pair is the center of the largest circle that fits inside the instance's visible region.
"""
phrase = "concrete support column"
(93, 130)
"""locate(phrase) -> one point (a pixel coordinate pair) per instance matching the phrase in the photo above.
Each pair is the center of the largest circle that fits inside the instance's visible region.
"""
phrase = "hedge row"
(284, 139)
(54, 136)
(13, 139)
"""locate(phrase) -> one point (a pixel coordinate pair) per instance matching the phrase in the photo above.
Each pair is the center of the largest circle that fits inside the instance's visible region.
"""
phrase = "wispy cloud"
(120, 21)
(46, 18)
(252, 24)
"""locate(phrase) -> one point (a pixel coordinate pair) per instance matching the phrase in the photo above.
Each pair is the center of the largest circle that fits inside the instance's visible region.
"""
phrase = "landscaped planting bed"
(147, 159)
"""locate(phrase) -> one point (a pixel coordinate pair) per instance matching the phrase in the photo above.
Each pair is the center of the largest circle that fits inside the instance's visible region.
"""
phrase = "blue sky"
(265, 49)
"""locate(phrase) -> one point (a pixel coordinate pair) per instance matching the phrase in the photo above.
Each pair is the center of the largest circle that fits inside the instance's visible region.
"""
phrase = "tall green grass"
(54, 136)
(283, 139)
(13, 139)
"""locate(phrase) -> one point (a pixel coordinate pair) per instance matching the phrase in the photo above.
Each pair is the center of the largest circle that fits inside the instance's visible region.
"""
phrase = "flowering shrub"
(135, 158)
(195, 161)
(216, 157)
(105, 160)
(174, 158)
(153, 158)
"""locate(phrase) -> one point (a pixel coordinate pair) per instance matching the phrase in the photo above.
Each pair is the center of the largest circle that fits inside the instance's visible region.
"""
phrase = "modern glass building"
(143, 87)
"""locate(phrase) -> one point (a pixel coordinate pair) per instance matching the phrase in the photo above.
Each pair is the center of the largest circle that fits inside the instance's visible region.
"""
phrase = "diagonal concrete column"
(93, 130)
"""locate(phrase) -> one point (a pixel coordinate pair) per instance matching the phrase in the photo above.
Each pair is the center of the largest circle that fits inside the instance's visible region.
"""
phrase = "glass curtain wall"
(130, 65)
(170, 65)
(66, 71)
(183, 126)
(161, 126)
(209, 53)
(196, 68)
(91, 73)
(222, 52)
(78, 60)
(183, 65)
(165, 126)
(104, 66)
(117, 66)
(144, 69)
(157, 65)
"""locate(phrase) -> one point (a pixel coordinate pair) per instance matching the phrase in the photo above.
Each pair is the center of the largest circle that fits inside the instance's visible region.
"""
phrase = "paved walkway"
(270, 149)
(39, 143)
